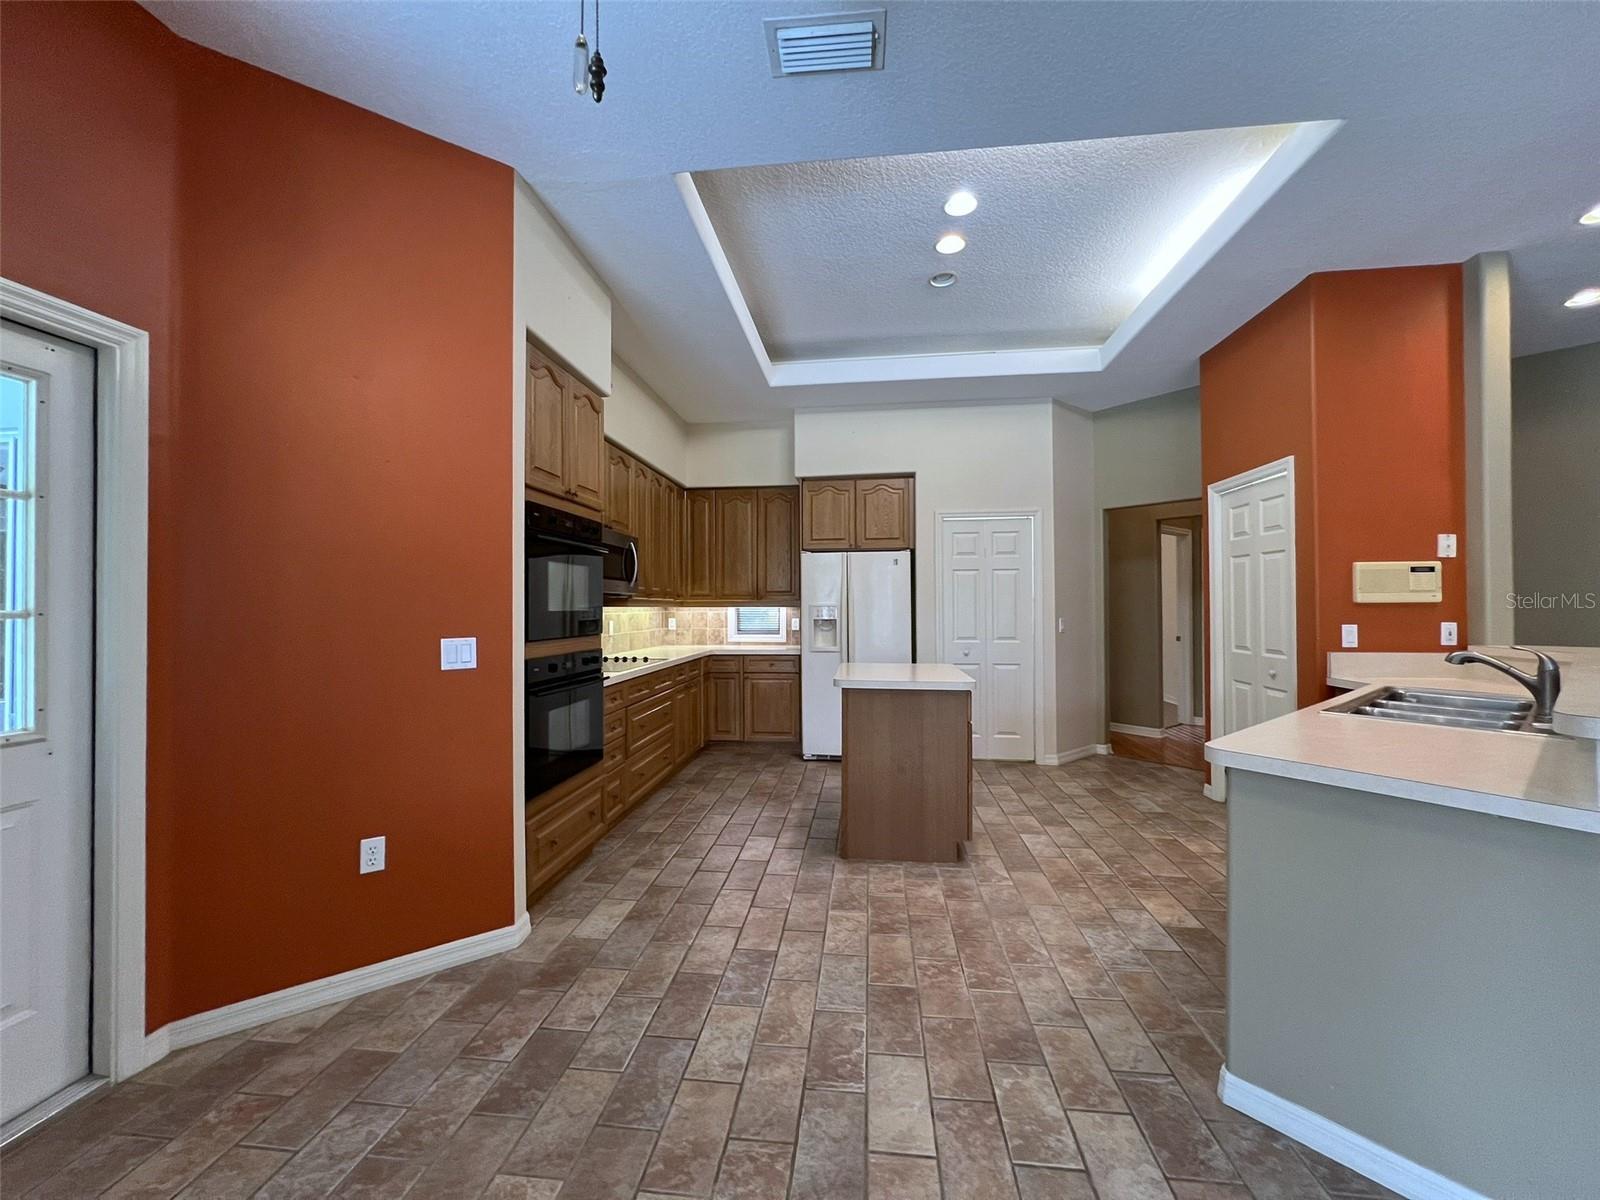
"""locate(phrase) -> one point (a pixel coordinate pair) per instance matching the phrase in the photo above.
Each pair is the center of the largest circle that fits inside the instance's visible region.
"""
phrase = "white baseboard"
(1136, 730)
(1062, 758)
(1103, 748)
(1359, 1153)
(303, 997)
(1209, 794)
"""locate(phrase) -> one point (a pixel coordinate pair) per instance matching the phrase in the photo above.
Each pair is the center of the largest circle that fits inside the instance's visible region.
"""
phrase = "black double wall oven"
(564, 600)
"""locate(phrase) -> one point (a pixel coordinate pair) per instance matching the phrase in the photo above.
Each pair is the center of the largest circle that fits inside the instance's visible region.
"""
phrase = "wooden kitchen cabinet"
(771, 708)
(778, 545)
(700, 545)
(827, 514)
(724, 700)
(619, 489)
(858, 514)
(885, 518)
(735, 510)
(566, 453)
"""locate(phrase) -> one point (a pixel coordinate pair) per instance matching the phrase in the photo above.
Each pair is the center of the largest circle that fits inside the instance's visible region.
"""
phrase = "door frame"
(117, 1045)
(1215, 494)
(1032, 516)
(1183, 606)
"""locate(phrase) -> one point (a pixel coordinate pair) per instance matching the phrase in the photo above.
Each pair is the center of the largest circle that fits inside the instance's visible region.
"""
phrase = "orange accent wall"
(1358, 375)
(329, 299)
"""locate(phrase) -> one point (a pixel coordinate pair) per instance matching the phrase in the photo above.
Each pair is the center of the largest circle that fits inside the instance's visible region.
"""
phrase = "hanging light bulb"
(580, 58)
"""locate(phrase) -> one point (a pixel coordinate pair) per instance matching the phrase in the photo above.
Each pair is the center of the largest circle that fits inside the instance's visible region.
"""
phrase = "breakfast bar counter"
(907, 761)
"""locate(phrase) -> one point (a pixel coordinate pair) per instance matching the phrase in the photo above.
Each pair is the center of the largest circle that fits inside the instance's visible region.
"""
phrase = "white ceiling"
(833, 258)
(1467, 127)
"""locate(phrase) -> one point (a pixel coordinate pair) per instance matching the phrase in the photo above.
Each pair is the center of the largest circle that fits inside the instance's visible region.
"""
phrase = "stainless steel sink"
(1455, 710)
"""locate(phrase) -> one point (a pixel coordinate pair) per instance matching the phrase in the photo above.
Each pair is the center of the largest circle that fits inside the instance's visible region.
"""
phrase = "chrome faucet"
(1545, 686)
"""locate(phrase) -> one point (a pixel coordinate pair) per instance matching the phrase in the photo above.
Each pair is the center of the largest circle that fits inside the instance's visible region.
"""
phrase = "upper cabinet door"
(586, 448)
(826, 507)
(642, 513)
(619, 489)
(778, 517)
(736, 538)
(884, 519)
(699, 518)
(547, 423)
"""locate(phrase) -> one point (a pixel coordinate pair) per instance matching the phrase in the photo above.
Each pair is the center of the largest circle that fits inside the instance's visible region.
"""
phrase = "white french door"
(1253, 598)
(46, 704)
(987, 627)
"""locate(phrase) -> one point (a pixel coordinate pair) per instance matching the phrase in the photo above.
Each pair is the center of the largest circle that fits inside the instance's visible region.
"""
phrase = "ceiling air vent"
(851, 41)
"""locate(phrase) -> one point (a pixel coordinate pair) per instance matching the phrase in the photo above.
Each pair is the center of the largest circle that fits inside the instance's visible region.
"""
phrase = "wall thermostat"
(1398, 583)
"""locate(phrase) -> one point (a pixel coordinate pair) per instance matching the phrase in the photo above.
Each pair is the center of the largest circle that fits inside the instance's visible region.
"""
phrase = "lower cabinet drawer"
(615, 723)
(723, 664)
(571, 826)
(649, 765)
(786, 664)
(647, 720)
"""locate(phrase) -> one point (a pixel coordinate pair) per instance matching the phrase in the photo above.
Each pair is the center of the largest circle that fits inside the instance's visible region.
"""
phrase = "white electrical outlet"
(672, 623)
(1348, 637)
(794, 624)
(458, 654)
(1447, 545)
(611, 624)
(1447, 633)
(374, 853)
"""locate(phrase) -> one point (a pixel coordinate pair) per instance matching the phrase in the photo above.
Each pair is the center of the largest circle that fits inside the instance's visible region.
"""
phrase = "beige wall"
(1555, 446)
(641, 422)
(983, 458)
(1079, 700)
(557, 294)
(741, 455)
(1149, 451)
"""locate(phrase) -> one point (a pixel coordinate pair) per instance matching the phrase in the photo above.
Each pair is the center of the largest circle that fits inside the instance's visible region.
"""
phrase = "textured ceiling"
(1467, 127)
(833, 258)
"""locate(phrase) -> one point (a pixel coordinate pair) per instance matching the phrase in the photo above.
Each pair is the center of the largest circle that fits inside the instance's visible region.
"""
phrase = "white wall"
(1079, 694)
(557, 295)
(640, 422)
(741, 455)
(979, 458)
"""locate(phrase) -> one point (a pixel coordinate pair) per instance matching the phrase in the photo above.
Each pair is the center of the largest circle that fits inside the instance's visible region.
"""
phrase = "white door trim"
(122, 498)
(1032, 516)
(1215, 493)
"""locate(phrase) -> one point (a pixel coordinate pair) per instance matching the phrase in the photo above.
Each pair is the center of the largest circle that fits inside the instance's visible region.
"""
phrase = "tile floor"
(714, 1005)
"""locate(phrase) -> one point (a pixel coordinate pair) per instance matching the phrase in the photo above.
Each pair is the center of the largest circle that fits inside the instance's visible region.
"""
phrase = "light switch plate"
(1447, 545)
(374, 854)
(1348, 637)
(458, 654)
(1447, 633)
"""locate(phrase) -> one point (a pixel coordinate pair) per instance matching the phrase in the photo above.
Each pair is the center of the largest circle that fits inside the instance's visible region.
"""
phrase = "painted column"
(1486, 379)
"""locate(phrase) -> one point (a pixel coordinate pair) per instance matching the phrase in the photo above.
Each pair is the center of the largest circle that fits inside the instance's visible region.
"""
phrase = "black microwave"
(564, 596)
(621, 568)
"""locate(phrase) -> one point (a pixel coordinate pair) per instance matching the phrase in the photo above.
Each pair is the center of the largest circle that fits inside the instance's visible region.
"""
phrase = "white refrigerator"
(854, 607)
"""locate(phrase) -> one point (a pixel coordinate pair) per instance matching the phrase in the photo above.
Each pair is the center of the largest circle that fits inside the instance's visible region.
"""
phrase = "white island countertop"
(904, 677)
(1549, 780)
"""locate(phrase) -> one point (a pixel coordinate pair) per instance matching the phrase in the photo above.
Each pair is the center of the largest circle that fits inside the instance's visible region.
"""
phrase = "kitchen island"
(907, 761)
(1413, 951)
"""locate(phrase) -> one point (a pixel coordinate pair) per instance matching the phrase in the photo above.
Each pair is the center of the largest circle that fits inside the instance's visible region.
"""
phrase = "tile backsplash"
(639, 628)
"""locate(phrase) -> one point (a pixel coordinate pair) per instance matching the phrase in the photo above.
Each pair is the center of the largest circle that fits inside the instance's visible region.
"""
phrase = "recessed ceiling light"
(1592, 217)
(951, 243)
(961, 203)
(1587, 298)
(943, 279)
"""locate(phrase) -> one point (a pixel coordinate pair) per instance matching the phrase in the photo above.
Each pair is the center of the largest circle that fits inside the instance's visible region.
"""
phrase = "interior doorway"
(1155, 667)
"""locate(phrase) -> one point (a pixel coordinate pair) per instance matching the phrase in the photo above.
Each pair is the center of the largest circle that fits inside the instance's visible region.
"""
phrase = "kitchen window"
(755, 625)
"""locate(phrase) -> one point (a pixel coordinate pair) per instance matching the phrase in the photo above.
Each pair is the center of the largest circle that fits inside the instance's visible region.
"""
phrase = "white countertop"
(1550, 780)
(666, 656)
(905, 677)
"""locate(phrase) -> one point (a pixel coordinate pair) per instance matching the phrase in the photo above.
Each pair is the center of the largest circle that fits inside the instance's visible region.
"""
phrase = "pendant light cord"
(597, 24)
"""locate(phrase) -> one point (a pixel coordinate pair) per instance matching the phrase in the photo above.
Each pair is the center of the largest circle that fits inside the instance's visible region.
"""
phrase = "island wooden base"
(907, 774)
